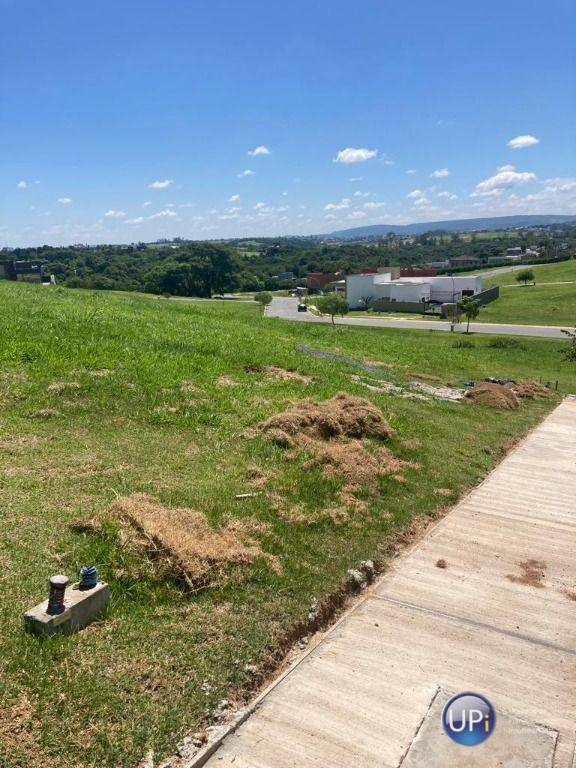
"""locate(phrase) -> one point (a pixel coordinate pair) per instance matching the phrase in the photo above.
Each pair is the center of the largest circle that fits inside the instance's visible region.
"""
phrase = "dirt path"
(486, 602)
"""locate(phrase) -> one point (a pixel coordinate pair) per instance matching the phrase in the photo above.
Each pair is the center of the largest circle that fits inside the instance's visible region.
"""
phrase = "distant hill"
(454, 225)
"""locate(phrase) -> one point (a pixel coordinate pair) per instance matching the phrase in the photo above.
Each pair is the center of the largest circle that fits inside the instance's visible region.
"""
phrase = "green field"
(105, 395)
(540, 304)
(543, 273)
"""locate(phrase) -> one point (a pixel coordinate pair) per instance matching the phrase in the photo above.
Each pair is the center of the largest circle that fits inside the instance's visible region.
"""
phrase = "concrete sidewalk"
(499, 619)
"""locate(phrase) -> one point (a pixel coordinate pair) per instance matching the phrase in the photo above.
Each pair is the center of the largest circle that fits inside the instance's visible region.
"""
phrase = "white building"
(361, 289)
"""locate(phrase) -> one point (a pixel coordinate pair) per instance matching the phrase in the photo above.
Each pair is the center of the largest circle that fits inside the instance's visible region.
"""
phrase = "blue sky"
(126, 121)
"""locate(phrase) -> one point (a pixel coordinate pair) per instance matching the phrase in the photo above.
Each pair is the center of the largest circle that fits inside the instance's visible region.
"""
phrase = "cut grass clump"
(337, 434)
(528, 389)
(274, 372)
(341, 416)
(494, 395)
(200, 553)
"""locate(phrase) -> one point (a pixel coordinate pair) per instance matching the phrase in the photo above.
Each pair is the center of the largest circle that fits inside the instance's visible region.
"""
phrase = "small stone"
(303, 642)
(356, 578)
(252, 669)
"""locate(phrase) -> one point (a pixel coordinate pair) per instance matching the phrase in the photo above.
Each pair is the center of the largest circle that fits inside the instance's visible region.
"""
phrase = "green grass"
(135, 680)
(538, 304)
(543, 273)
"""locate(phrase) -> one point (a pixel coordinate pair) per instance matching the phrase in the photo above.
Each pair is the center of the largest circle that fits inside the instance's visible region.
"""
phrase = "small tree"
(525, 276)
(332, 304)
(570, 352)
(470, 309)
(366, 301)
(263, 297)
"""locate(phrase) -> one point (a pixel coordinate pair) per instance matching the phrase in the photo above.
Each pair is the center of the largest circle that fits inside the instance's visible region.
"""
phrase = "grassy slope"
(100, 698)
(539, 304)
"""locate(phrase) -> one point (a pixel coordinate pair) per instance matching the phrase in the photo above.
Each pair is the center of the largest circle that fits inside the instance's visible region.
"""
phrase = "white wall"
(362, 286)
(445, 288)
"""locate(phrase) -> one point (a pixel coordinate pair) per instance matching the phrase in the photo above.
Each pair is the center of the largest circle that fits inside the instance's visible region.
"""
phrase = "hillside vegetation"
(552, 301)
(119, 407)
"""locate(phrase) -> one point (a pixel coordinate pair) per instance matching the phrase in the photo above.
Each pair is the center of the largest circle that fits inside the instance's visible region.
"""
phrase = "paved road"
(496, 617)
(287, 309)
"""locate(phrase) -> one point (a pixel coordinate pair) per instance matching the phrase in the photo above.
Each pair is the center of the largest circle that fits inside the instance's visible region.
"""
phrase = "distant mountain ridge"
(455, 225)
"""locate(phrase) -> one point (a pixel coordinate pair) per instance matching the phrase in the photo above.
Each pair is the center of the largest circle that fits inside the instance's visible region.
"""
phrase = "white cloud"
(261, 150)
(506, 177)
(146, 204)
(441, 173)
(111, 214)
(328, 217)
(233, 198)
(361, 194)
(356, 215)
(167, 212)
(161, 184)
(388, 162)
(373, 205)
(448, 195)
(355, 155)
(343, 204)
(247, 172)
(284, 194)
(356, 178)
(521, 142)
(410, 172)
(415, 193)
(258, 206)
(22, 185)
(562, 184)
(421, 202)
(64, 200)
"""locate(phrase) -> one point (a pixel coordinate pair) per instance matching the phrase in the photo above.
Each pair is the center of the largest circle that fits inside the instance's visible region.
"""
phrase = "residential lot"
(104, 396)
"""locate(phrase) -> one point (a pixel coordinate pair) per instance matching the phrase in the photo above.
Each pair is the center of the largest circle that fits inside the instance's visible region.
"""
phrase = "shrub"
(505, 342)
(463, 344)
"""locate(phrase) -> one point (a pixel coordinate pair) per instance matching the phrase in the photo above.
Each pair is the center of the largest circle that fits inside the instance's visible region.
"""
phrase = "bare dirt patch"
(423, 376)
(199, 551)
(493, 395)
(226, 381)
(20, 734)
(532, 574)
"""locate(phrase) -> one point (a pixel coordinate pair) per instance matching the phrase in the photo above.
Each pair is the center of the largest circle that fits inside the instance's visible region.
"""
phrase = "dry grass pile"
(335, 433)
(493, 395)
(529, 389)
(59, 387)
(274, 372)
(199, 552)
(342, 416)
